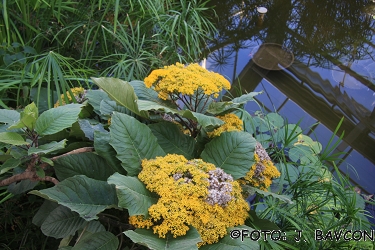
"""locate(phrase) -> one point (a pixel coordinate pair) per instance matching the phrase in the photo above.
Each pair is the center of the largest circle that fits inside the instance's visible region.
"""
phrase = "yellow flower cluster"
(179, 79)
(262, 171)
(78, 94)
(190, 196)
(231, 123)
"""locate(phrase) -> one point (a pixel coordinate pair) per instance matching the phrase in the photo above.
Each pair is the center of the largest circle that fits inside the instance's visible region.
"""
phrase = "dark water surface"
(318, 65)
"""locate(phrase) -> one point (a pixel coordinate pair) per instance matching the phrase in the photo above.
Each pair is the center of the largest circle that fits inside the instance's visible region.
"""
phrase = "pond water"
(315, 62)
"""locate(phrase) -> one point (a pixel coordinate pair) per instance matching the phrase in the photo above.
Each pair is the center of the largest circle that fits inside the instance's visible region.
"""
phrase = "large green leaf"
(62, 222)
(231, 242)
(151, 105)
(231, 151)
(47, 148)
(203, 120)
(44, 210)
(144, 93)
(272, 121)
(12, 138)
(107, 107)
(252, 190)
(121, 92)
(132, 194)
(95, 97)
(89, 164)
(217, 108)
(246, 97)
(81, 194)
(147, 238)
(57, 119)
(9, 164)
(106, 151)
(133, 142)
(88, 128)
(172, 140)
(9, 116)
(28, 117)
(98, 241)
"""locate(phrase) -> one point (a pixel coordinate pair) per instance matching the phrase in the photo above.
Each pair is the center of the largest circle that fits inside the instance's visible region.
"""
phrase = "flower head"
(78, 94)
(231, 123)
(262, 171)
(186, 80)
(192, 193)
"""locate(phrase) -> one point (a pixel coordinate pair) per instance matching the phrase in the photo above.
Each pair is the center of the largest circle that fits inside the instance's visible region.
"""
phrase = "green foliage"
(231, 151)
(69, 193)
(84, 160)
(58, 45)
(132, 194)
(152, 241)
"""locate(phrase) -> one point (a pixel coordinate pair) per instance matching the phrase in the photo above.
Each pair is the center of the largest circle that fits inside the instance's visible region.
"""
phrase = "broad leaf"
(89, 164)
(144, 93)
(272, 121)
(57, 119)
(151, 105)
(95, 97)
(152, 241)
(47, 148)
(283, 198)
(132, 194)
(81, 194)
(106, 151)
(172, 140)
(98, 241)
(301, 152)
(90, 228)
(107, 107)
(203, 120)
(9, 165)
(28, 117)
(216, 108)
(62, 222)
(262, 224)
(9, 116)
(45, 209)
(12, 138)
(230, 242)
(246, 97)
(22, 186)
(121, 92)
(89, 129)
(231, 151)
(133, 142)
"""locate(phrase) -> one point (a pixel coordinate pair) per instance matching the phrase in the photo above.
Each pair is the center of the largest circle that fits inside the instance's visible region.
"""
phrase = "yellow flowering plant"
(171, 170)
(192, 192)
(166, 154)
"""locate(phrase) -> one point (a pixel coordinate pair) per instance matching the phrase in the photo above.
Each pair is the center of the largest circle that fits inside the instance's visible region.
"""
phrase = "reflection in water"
(333, 44)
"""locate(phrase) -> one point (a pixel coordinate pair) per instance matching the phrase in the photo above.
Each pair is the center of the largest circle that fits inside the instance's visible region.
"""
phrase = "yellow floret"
(183, 187)
(231, 123)
(262, 171)
(77, 92)
(178, 79)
